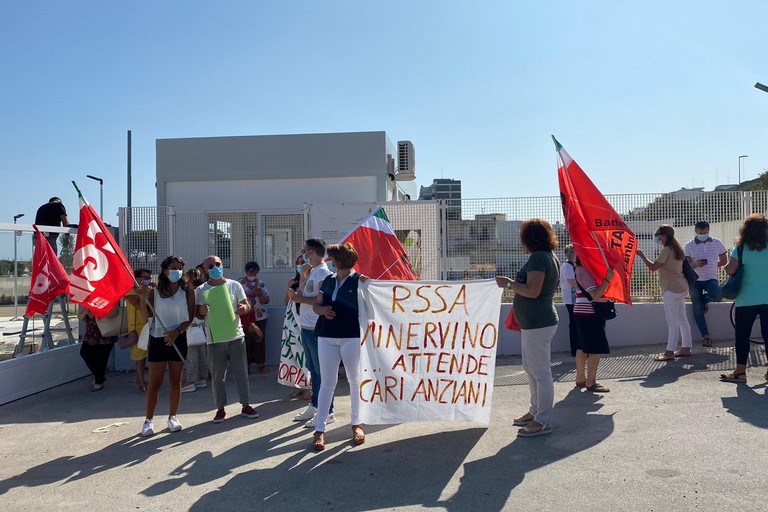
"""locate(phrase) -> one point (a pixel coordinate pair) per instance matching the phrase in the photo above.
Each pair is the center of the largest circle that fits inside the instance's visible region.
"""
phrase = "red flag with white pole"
(600, 236)
(49, 279)
(101, 274)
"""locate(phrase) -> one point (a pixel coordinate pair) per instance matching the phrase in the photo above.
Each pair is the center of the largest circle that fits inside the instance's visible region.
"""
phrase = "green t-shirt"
(754, 285)
(539, 312)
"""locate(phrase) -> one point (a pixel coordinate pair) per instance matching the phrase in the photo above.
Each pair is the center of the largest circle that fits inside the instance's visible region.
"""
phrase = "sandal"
(706, 341)
(739, 378)
(581, 384)
(97, 387)
(358, 436)
(542, 431)
(666, 356)
(318, 443)
(598, 388)
(523, 420)
(142, 388)
(683, 352)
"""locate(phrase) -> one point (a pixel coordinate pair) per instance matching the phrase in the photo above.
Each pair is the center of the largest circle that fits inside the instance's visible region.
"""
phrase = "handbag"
(732, 285)
(690, 274)
(113, 325)
(511, 321)
(196, 335)
(143, 341)
(128, 340)
(603, 310)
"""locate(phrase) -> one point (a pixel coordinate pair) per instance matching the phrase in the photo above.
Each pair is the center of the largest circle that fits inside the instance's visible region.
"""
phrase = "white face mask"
(251, 278)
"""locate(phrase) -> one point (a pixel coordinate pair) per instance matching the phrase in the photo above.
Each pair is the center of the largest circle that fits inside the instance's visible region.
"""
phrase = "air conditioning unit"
(406, 166)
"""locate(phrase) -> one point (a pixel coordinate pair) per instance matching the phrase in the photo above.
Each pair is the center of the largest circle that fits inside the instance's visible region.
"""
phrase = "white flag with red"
(101, 274)
(49, 279)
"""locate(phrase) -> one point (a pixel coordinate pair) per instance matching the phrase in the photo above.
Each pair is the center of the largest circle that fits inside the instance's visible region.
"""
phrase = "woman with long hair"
(534, 286)
(196, 369)
(173, 303)
(752, 300)
(674, 289)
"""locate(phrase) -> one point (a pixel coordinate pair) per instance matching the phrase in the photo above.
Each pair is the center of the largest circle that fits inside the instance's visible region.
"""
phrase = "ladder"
(46, 342)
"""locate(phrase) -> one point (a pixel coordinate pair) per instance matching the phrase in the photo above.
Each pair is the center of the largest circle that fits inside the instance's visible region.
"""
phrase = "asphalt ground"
(668, 437)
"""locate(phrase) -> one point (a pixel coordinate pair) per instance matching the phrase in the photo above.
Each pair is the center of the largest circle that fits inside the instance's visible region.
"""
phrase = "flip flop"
(734, 377)
(581, 384)
(527, 432)
(598, 388)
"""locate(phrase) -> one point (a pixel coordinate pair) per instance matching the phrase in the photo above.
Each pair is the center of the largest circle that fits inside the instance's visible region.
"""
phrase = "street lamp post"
(742, 156)
(101, 194)
(16, 269)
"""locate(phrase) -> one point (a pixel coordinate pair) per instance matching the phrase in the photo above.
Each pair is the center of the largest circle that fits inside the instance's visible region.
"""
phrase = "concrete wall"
(267, 163)
(33, 373)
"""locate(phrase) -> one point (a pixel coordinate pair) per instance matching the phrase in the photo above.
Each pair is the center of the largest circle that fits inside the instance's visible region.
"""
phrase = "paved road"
(669, 437)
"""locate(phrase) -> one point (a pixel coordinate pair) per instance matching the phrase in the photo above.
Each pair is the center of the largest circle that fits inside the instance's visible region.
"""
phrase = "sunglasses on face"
(217, 264)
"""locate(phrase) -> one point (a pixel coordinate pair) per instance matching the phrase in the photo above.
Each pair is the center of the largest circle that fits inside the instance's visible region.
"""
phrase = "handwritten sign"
(293, 366)
(428, 350)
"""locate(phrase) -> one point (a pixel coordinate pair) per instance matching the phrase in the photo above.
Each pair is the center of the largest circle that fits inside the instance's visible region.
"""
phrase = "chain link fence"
(445, 240)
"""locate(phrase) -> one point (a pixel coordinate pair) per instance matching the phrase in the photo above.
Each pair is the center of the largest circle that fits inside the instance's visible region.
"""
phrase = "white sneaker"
(308, 414)
(201, 384)
(188, 389)
(311, 423)
(148, 429)
(173, 424)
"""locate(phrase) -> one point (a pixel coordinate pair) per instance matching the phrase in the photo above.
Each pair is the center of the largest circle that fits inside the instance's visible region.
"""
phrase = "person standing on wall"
(222, 301)
(313, 273)
(52, 213)
(705, 254)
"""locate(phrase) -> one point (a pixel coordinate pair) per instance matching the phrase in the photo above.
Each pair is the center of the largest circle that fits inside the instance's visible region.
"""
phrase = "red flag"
(380, 253)
(49, 279)
(101, 275)
(598, 233)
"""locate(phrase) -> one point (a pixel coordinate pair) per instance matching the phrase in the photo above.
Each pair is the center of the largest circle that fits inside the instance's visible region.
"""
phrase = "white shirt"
(170, 312)
(567, 271)
(307, 315)
(236, 295)
(710, 251)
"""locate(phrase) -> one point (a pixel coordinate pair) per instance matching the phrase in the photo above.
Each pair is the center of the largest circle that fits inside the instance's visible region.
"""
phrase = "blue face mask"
(702, 238)
(331, 266)
(216, 272)
(305, 258)
(174, 275)
(656, 239)
(298, 269)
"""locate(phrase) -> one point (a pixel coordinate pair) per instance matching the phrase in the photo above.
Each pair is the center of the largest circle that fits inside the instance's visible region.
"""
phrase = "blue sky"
(646, 96)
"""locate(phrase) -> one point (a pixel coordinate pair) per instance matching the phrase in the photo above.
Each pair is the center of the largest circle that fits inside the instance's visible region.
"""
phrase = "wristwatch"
(509, 284)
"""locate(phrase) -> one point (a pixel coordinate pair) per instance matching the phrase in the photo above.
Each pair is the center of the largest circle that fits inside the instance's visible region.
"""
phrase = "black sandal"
(734, 377)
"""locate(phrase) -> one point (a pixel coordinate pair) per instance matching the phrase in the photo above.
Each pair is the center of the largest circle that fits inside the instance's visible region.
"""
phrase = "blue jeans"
(309, 342)
(701, 293)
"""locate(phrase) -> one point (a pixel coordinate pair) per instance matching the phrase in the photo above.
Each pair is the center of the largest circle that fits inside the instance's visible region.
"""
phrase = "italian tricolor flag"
(380, 253)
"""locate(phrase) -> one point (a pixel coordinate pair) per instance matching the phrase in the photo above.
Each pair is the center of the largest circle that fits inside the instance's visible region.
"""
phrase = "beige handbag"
(113, 325)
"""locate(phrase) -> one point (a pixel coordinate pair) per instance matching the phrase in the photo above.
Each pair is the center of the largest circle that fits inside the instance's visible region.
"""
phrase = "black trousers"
(96, 358)
(572, 330)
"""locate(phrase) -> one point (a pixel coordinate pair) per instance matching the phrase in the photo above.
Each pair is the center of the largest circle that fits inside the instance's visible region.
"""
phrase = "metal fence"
(445, 240)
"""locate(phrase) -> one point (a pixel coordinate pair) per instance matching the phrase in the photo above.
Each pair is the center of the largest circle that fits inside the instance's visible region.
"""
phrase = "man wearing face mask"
(223, 301)
(313, 273)
(705, 254)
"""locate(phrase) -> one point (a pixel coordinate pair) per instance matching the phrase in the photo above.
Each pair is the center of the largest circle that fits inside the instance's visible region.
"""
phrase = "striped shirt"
(582, 306)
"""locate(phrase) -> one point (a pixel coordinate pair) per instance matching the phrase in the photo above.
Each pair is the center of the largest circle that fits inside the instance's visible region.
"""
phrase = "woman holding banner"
(534, 286)
(338, 331)
(173, 303)
(674, 289)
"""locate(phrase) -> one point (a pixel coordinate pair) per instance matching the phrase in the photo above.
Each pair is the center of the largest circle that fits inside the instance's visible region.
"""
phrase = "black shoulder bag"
(603, 310)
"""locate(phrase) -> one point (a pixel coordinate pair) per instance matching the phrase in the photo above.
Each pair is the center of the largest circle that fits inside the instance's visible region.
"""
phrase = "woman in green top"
(534, 287)
(752, 300)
